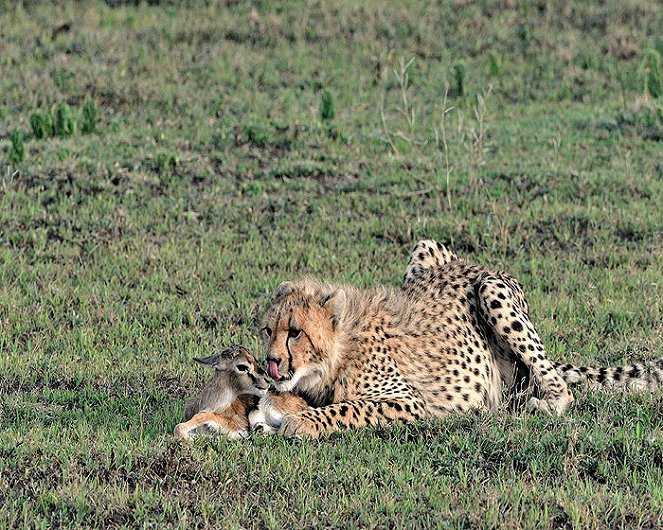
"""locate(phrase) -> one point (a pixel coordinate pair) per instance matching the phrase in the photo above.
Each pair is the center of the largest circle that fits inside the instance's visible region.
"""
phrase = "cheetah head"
(301, 331)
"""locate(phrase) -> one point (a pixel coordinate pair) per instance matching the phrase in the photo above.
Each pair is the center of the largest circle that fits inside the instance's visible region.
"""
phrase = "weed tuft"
(494, 65)
(458, 73)
(41, 124)
(327, 110)
(166, 162)
(651, 65)
(256, 134)
(17, 150)
(89, 117)
(65, 121)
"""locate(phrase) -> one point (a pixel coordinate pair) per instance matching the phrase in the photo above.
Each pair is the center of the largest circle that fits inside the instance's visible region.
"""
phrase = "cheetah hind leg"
(502, 307)
(427, 254)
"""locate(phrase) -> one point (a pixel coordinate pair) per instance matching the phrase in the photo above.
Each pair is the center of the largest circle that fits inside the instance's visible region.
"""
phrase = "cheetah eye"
(242, 368)
(267, 330)
(293, 333)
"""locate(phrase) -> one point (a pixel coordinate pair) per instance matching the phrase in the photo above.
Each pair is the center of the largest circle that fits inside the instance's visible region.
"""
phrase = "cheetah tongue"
(273, 370)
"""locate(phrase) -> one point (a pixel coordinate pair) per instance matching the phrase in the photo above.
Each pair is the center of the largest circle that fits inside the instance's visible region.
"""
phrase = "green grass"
(219, 149)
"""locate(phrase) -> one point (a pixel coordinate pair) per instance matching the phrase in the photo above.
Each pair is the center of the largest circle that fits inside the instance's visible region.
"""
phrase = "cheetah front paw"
(263, 428)
(298, 427)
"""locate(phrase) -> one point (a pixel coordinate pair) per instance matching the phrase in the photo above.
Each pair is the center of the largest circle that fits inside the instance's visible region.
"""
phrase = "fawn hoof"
(182, 433)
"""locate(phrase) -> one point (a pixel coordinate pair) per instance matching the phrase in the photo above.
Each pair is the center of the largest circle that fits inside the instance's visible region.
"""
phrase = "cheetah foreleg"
(350, 414)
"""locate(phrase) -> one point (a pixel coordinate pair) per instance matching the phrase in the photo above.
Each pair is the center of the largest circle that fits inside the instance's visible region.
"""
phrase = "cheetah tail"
(640, 376)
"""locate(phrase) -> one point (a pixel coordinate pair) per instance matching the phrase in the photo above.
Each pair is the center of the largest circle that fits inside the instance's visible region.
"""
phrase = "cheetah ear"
(284, 289)
(334, 303)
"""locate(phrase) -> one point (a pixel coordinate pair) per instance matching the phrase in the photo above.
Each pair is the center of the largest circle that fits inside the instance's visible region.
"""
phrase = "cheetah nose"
(273, 368)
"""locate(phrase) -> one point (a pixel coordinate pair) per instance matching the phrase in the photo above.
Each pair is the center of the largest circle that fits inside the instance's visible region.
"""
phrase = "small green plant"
(42, 125)
(89, 117)
(166, 161)
(327, 111)
(17, 151)
(406, 110)
(256, 134)
(651, 65)
(65, 121)
(590, 62)
(494, 65)
(458, 72)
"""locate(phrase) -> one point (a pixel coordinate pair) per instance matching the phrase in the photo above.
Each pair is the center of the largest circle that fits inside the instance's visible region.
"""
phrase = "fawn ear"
(209, 362)
(334, 303)
(218, 360)
(284, 289)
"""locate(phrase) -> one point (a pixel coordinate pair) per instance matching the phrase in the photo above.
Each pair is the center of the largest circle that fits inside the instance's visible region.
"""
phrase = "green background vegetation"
(164, 167)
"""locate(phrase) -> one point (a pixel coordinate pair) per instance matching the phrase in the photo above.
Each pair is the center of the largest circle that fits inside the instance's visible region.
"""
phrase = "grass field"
(164, 168)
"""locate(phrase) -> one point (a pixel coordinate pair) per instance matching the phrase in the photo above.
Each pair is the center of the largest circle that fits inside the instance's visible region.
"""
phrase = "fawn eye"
(242, 368)
(268, 331)
(293, 333)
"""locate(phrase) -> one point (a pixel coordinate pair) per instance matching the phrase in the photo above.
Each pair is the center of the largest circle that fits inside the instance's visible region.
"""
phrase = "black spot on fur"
(517, 326)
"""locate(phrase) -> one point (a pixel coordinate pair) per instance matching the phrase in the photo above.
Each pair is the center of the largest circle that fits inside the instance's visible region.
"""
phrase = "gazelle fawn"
(224, 403)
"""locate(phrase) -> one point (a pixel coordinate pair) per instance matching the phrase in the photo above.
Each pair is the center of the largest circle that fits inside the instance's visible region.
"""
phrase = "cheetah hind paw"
(550, 406)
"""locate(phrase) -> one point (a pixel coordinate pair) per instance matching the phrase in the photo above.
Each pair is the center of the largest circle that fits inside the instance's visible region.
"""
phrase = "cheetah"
(224, 404)
(449, 341)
